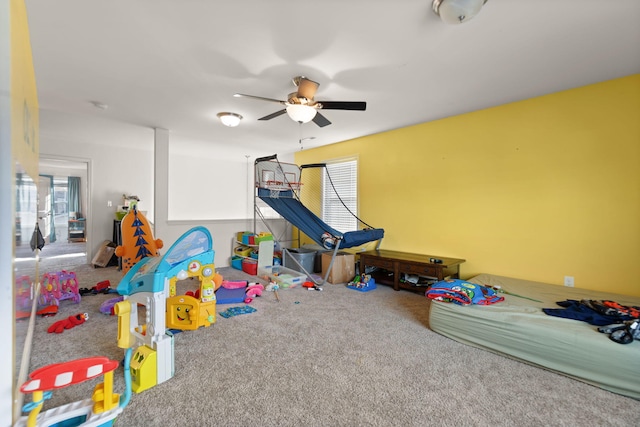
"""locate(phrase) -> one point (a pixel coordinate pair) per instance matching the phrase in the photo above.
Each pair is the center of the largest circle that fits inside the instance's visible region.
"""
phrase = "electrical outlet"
(568, 281)
(109, 204)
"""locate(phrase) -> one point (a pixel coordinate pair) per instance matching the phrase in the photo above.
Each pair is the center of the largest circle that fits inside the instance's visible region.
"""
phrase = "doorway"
(63, 219)
(46, 217)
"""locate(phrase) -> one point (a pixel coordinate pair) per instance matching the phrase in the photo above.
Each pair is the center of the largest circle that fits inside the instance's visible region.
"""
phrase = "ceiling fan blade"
(307, 88)
(321, 120)
(242, 95)
(343, 105)
(273, 115)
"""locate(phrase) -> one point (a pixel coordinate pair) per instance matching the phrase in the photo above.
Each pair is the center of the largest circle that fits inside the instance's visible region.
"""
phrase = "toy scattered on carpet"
(103, 287)
(231, 292)
(236, 311)
(24, 300)
(238, 284)
(24, 292)
(108, 307)
(311, 286)
(253, 290)
(68, 323)
(273, 287)
(362, 283)
(59, 286)
(45, 311)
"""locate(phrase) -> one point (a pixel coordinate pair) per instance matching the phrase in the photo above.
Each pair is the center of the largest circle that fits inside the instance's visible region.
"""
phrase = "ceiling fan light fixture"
(229, 119)
(301, 113)
(457, 11)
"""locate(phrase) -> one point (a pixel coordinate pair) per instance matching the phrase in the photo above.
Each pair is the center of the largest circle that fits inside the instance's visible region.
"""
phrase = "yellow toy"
(137, 239)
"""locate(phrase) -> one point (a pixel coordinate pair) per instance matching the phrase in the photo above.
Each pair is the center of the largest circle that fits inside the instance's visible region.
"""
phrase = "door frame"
(87, 187)
(45, 222)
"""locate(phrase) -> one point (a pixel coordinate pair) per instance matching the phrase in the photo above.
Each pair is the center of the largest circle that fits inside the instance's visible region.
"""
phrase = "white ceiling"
(174, 64)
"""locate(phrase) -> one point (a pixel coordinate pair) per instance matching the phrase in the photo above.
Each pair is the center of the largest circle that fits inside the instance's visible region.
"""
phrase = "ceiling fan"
(301, 106)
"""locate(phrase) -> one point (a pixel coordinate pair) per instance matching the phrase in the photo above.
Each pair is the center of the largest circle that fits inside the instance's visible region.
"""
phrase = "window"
(341, 178)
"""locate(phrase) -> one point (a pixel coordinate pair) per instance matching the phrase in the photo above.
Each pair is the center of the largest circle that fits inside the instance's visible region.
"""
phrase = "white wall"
(208, 182)
(201, 187)
(209, 188)
(112, 172)
(205, 187)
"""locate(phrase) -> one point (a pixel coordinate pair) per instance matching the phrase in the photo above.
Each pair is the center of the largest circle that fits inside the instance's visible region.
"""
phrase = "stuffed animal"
(253, 290)
(68, 323)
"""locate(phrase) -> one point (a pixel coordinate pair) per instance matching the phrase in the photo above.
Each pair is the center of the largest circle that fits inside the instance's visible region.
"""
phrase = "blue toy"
(362, 283)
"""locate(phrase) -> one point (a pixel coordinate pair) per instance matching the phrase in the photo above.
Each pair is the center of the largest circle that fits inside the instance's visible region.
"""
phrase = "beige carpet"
(333, 358)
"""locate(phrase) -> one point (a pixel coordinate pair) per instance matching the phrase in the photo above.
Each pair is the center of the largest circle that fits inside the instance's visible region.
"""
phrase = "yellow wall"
(24, 98)
(537, 189)
(25, 148)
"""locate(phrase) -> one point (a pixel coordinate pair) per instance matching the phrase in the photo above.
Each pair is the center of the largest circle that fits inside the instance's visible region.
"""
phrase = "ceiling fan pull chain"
(300, 139)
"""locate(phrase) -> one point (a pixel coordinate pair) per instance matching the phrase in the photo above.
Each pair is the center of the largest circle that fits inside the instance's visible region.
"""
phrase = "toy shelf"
(244, 250)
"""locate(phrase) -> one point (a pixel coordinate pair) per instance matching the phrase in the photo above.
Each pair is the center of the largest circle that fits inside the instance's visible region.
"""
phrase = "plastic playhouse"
(152, 283)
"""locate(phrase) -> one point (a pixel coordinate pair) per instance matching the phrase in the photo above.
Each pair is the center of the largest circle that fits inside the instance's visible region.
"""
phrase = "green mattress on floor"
(518, 328)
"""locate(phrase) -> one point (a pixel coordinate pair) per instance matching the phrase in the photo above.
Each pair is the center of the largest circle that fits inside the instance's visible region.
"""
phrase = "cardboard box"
(344, 267)
(105, 253)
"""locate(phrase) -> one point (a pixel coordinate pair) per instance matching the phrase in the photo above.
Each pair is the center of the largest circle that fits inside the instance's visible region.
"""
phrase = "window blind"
(343, 176)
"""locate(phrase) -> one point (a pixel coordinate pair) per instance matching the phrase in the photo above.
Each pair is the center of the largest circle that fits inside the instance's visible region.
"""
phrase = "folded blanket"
(463, 293)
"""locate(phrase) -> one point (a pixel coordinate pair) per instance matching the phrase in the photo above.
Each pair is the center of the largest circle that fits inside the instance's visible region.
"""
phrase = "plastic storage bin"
(261, 237)
(248, 239)
(306, 258)
(284, 277)
(236, 262)
(239, 235)
(250, 266)
(242, 251)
